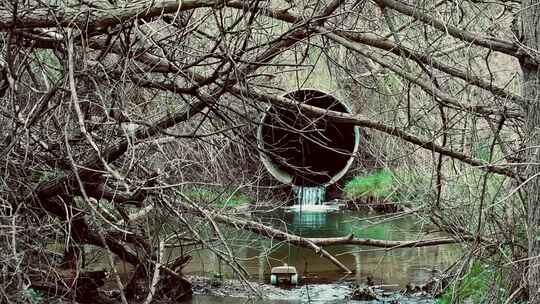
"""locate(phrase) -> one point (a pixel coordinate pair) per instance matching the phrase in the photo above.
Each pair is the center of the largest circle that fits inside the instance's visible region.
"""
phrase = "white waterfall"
(309, 196)
(309, 209)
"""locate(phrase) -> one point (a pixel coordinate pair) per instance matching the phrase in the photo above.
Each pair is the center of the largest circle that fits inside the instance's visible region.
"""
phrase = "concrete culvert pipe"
(305, 150)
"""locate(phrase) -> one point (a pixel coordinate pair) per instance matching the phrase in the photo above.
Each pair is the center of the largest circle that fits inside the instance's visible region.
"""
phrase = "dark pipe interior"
(310, 149)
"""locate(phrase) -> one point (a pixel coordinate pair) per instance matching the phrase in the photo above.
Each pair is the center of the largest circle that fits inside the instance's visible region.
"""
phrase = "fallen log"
(316, 243)
(268, 232)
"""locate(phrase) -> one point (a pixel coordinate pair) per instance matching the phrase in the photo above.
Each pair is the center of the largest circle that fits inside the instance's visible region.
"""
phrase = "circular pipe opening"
(307, 150)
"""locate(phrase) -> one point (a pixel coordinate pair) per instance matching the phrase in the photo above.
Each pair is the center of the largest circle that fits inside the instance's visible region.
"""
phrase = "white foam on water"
(313, 208)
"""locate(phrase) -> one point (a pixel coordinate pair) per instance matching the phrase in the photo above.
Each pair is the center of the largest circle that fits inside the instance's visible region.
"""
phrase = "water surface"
(394, 268)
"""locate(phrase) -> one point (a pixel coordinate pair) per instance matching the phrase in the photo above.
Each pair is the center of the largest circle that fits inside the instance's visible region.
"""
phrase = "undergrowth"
(377, 185)
(474, 287)
(399, 185)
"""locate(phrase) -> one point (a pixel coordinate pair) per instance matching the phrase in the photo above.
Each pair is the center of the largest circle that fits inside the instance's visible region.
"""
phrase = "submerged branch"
(317, 243)
(352, 240)
(270, 233)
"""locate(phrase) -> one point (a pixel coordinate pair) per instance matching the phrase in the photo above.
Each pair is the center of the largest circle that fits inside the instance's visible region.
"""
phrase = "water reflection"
(390, 267)
(306, 221)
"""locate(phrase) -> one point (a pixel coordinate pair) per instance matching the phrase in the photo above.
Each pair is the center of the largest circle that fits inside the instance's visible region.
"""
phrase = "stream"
(323, 282)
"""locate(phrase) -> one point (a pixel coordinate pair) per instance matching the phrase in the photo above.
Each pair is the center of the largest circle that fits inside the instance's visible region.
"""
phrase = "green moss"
(378, 185)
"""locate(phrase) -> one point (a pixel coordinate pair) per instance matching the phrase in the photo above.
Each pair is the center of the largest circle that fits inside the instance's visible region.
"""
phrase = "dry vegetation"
(121, 120)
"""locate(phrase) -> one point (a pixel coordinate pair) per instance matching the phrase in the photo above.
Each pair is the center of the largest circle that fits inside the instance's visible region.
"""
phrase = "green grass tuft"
(377, 185)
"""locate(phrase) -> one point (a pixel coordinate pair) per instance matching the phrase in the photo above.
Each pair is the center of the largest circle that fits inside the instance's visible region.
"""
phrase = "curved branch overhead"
(429, 88)
(103, 19)
(431, 61)
(359, 121)
(399, 50)
(116, 150)
(478, 39)
(155, 63)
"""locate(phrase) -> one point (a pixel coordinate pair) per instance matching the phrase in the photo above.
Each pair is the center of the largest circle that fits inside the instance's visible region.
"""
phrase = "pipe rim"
(283, 176)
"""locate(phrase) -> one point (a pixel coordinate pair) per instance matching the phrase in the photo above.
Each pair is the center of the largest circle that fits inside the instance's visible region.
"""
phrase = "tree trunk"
(530, 18)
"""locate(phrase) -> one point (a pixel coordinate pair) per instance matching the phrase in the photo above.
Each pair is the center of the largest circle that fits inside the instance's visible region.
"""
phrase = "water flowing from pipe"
(309, 196)
(310, 210)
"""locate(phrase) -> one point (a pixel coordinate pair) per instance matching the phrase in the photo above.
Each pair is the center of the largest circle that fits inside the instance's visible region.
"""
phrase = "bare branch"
(359, 121)
(417, 12)
(93, 19)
